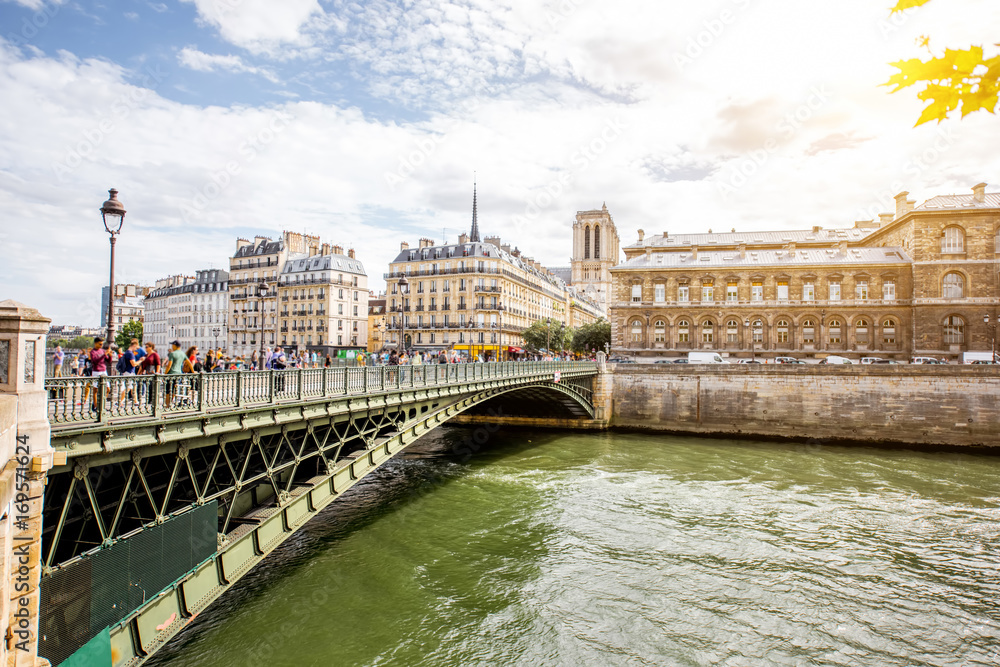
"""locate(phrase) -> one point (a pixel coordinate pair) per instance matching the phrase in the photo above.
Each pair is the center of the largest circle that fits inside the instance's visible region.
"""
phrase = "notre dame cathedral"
(595, 251)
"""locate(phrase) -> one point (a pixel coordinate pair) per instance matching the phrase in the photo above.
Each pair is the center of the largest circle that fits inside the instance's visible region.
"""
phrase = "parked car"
(834, 359)
(788, 360)
(747, 361)
(872, 360)
(926, 360)
(973, 357)
(665, 361)
(680, 361)
(983, 361)
(886, 361)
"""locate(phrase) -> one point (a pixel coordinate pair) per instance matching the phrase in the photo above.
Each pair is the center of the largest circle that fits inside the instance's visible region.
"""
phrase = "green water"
(624, 549)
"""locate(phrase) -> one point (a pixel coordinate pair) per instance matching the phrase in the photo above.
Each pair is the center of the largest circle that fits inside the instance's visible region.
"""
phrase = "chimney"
(325, 249)
(403, 245)
(463, 238)
(313, 251)
(641, 235)
(258, 239)
(493, 240)
(350, 253)
(339, 249)
(743, 250)
(979, 193)
(817, 229)
(426, 243)
(241, 243)
(901, 204)
(506, 248)
(694, 252)
(884, 219)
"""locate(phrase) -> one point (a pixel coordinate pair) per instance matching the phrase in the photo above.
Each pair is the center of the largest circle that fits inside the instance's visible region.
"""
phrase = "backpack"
(122, 366)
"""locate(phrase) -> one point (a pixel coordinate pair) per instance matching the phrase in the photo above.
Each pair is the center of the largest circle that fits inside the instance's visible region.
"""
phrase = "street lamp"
(992, 327)
(262, 293)
(501, 309)
(404, 289)
(215, 332)
(113, 214)
(746, 327)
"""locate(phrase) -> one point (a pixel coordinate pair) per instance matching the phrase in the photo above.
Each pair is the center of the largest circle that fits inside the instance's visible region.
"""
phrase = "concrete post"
(27, 457)
(603, 390)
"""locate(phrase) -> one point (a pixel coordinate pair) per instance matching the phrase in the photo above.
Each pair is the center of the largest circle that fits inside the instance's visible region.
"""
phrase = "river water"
(629, 549)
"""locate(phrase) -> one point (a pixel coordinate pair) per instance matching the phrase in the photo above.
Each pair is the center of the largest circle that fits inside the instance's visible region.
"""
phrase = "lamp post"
(215, 332)
(500, 308)
(113, 214)
(992, 328)
(262, 293)
(404, 289)
(746, 326)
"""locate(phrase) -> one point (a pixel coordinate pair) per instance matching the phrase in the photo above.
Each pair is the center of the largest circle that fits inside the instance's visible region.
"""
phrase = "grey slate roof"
(766, 258)
(564, 273)
(300, 264)
(750, 238)
(952, 202)
(267, 247)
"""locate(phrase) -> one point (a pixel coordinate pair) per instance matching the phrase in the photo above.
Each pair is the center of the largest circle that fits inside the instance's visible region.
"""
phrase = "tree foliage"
(963, 80)
(78, 343)
(547, 334)
(128, 331)
(592, 336)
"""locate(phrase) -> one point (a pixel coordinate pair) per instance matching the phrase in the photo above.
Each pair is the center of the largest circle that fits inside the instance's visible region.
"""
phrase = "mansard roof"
(770, 258)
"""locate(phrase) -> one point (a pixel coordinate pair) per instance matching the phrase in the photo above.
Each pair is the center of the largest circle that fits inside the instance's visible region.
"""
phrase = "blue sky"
(364, 123)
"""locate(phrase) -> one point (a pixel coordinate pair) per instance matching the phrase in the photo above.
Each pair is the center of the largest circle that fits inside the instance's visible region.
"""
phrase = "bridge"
(166, 490)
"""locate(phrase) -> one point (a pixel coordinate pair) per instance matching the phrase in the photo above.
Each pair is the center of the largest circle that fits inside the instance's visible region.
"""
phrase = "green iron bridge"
(171, 488)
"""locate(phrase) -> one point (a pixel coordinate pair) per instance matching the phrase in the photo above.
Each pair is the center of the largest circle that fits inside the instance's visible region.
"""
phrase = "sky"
(367, 122)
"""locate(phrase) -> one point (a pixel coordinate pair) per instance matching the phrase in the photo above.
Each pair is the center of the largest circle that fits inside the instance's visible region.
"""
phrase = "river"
(547, 548)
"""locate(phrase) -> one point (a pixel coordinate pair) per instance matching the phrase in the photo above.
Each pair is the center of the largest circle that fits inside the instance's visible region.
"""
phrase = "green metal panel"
(267, 535)
(122, 650)
(236, 558)
(158, 618)
(297, 511)
(95, 653)
(199, 586)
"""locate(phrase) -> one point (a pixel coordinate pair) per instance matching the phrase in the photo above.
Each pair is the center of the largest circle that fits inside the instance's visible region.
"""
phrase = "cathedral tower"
(595, 251)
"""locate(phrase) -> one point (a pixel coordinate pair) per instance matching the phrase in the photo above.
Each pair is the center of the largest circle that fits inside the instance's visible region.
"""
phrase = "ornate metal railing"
(81, 400)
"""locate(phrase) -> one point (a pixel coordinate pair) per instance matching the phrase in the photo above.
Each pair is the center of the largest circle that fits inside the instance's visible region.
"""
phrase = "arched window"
(808, 332)
(597, 241)
(758, 331)
(861, 331)
(889, 332)
(586, 242)
(636, 336)
(682, 332)
(996, 241)
(835, 332)
(732, 331)
(782, 330)
(953, 240)
(954, 330)
(953, 286)
(707, 331)
(659, 331)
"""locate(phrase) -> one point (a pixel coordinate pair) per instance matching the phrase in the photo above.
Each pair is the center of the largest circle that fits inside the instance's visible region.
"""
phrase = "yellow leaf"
(903, 5)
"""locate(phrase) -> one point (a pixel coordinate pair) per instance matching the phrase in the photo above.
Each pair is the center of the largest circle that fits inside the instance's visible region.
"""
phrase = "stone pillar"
(603, 391)
(27, 458)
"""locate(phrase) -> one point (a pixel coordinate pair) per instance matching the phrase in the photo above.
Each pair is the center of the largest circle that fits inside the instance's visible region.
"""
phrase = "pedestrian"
(173, 369)
(150, 364)
(254, 360)
(99, 363)
(129, 363)
(57, 361)
(329, 361)
(74, 365)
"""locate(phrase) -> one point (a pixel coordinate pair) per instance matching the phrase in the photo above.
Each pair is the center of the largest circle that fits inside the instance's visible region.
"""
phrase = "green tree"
(58, 341)
(128, 331)
(547, 334)
(81, 343)
(592, 336)
(962, 80)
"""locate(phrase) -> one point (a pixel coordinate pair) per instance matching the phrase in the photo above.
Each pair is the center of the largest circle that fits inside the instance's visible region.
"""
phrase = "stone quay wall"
(911, 405)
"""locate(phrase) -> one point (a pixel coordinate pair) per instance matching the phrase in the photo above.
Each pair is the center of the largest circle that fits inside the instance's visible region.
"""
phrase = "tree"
(546, 334)
(592, 336)
(129, 330)
(960, 79)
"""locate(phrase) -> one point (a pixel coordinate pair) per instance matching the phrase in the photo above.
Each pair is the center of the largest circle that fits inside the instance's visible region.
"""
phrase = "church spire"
(474, 236)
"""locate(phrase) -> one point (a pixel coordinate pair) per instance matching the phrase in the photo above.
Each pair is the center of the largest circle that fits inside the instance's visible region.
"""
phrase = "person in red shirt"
(151, 362)
(99, 360)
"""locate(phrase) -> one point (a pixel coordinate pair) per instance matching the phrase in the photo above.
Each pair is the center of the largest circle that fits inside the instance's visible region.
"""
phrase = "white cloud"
(259, 26)
(200, 61)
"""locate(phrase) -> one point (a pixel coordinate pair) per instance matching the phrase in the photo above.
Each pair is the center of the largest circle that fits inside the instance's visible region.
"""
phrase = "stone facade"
(596, 249)
(917, 282)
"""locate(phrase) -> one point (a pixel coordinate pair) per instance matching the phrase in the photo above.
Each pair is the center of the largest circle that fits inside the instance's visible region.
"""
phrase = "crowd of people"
(143, 359)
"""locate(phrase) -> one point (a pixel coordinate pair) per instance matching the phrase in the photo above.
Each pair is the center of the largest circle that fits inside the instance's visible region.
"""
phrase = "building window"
(834, 291)
(808, 332)
(758, 331)
(782, 331)
(732, 331)
(707, 332)
(660, 331)
(732, 292)
(889, 332)
(889, 290)
(782, 291)
(953, 286)
(636, 293)
(861, 290)
(953, 240)
(835, 333)
(636, 331)
(861, 331)
(954, 330)
(660, 292)
(756, 291)
(996, 241)
(683, 293)
(586, 242)
(708, 292)
(597, 241)
(682, 332)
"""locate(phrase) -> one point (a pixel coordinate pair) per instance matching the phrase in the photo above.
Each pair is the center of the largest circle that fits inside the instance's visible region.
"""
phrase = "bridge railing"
(76, 400)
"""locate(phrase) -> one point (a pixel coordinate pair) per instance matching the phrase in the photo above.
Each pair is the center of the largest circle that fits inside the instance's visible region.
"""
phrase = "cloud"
(836, 142)
(259, 26)
(192, 58)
